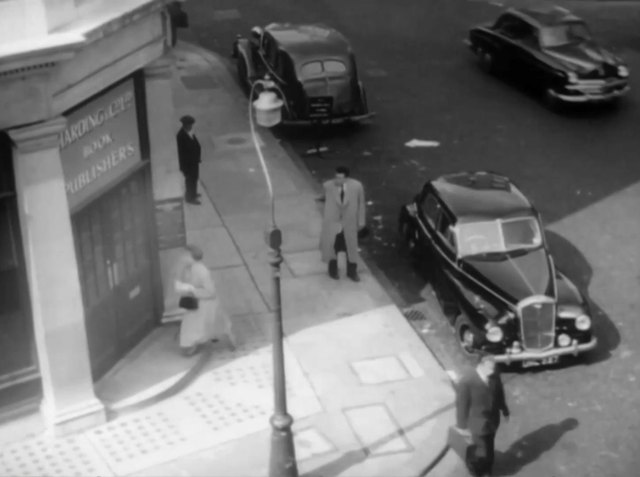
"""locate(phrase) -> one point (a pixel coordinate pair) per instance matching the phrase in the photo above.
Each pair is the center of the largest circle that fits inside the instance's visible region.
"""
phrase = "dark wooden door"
(113, 244)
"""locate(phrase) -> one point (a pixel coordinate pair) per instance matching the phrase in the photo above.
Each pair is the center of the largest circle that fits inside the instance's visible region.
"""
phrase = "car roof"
(481, 195)
(544, 15)
(309, 41)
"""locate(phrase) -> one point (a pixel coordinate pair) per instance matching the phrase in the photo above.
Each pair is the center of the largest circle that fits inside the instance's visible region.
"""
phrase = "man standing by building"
(344, 214)
(480, 399)
(189, 152)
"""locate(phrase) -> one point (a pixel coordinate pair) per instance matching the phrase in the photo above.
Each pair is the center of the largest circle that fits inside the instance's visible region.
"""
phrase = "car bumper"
(338, 120)
(589, 97)
(575, 349)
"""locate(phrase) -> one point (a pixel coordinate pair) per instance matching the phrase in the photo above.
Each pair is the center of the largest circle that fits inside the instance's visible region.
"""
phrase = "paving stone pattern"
(232, 398)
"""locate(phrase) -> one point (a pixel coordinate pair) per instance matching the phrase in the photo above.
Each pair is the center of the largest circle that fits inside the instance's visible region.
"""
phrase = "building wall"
(75, 50)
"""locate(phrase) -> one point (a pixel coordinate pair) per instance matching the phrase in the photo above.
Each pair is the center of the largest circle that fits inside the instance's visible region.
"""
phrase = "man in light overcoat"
(344, 214)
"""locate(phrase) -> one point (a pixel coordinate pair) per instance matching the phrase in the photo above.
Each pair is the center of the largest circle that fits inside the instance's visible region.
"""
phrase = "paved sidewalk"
(367, 397)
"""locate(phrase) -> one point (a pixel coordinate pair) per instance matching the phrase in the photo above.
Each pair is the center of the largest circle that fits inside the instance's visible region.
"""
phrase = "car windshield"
(497, 236)
(565, 34)
(314, 69)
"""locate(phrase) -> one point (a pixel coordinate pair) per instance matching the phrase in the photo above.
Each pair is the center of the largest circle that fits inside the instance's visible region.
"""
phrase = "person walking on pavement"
(479, 401)
(189, 152)
(204, 320)
(344, 215)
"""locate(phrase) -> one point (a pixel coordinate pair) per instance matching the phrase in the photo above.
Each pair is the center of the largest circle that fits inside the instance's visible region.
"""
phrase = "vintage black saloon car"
(552, 50)
(314, 69)
(483, 244)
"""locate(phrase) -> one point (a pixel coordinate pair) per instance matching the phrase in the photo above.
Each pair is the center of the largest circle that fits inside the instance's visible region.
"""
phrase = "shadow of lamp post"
(282, 463)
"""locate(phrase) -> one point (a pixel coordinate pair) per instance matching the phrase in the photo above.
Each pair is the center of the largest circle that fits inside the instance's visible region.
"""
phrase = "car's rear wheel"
(487, 61)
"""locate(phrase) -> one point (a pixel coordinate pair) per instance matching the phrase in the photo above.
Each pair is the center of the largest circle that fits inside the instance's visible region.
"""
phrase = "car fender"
(242, 50)
(568, 293)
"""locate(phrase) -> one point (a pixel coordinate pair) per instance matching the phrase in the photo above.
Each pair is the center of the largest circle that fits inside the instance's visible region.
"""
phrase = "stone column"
(166, 177)
(69, 402)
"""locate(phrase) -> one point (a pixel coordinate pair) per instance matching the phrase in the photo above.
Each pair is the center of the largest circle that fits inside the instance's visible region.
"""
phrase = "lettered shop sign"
(101, 143)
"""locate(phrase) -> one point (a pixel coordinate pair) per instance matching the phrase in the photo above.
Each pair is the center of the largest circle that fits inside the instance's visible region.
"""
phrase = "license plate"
(530, 363)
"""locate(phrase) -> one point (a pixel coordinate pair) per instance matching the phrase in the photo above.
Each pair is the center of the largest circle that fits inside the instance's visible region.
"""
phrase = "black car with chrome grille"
(482, 244)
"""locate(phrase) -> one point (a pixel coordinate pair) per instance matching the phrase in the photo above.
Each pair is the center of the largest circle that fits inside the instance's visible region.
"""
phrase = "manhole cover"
(199, 82)
(236, 141)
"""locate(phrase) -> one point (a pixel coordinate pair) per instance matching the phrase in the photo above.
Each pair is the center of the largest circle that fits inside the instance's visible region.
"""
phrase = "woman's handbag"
(364, 232)
(188, 302)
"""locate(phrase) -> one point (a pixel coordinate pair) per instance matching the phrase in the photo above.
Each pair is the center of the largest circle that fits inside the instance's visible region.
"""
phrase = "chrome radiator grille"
(537, 318)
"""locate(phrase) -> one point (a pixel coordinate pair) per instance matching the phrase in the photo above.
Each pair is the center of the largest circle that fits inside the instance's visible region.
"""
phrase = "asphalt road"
(580, 168)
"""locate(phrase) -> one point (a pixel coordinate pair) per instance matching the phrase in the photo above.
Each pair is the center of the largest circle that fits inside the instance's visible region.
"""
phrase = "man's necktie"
(342, 194)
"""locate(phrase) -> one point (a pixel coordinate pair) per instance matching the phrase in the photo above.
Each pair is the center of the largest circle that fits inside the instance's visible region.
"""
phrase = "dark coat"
(189, 152)
(479, 404)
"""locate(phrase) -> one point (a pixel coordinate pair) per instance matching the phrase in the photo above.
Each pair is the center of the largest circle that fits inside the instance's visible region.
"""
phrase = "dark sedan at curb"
(313, 68)
(482, 242)
(552, 50)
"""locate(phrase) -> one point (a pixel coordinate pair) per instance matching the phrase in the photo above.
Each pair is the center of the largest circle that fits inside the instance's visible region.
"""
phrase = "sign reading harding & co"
(101, 143)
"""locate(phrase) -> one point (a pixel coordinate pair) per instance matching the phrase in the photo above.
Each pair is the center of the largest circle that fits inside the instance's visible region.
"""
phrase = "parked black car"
(313, 67)
(551, 49)
(483, 244)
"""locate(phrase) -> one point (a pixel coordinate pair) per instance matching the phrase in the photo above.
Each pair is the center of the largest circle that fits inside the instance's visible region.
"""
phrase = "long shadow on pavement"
(354, 457)
(530, 447)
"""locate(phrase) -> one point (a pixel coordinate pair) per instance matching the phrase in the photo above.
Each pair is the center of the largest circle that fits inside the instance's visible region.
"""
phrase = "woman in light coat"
(209, 321)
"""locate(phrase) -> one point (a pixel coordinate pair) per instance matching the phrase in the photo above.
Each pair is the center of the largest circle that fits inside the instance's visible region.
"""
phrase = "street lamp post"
(282, 461)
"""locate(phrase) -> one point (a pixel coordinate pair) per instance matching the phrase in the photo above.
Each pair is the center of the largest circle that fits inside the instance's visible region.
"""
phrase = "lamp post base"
(283, 455)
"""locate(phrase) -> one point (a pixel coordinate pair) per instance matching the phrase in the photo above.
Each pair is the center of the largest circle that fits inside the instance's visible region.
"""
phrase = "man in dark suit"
(480, 399)
(189, 152)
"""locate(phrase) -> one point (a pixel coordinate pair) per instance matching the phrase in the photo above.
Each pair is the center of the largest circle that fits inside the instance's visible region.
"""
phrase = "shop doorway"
(114, 251)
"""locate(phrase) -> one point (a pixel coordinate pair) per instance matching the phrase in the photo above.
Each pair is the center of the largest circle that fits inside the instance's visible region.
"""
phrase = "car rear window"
(321, 68)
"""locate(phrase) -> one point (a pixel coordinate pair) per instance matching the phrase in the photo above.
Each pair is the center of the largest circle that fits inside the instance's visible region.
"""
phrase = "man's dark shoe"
(193, 202)
(352, 271)
(333, 269)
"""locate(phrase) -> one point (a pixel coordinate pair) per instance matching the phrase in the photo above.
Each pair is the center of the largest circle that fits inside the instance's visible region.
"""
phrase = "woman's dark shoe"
(333, 269)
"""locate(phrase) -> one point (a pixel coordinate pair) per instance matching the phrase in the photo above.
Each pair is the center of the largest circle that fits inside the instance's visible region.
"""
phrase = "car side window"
(514, 28)
(445, 230)
(270, 50)
(430, 209)
(279, 65)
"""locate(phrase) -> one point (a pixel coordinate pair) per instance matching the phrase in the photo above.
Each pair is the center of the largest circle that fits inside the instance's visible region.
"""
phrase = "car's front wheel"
(408, 237)
(241, 67)
(465, 335)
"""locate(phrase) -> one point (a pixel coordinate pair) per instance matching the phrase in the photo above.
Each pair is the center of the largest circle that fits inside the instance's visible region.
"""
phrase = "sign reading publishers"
(101, 143)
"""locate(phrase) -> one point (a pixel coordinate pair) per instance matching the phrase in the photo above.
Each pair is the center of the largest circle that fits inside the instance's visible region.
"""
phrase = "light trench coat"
(348, 216)
(210, 320)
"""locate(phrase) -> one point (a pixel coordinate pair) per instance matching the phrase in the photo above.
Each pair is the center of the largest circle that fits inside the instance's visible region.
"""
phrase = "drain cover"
(414, 315)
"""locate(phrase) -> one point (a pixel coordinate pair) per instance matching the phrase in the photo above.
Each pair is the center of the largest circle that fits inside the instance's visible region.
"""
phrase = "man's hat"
(187, 119)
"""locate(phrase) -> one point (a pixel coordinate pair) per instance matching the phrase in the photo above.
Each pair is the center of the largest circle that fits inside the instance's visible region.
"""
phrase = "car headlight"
(572, 77)
(495, 334)
(623, 71)
(583, 322)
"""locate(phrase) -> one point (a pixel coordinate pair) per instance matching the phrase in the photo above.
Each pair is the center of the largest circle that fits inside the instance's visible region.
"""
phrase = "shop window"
(9, 298)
